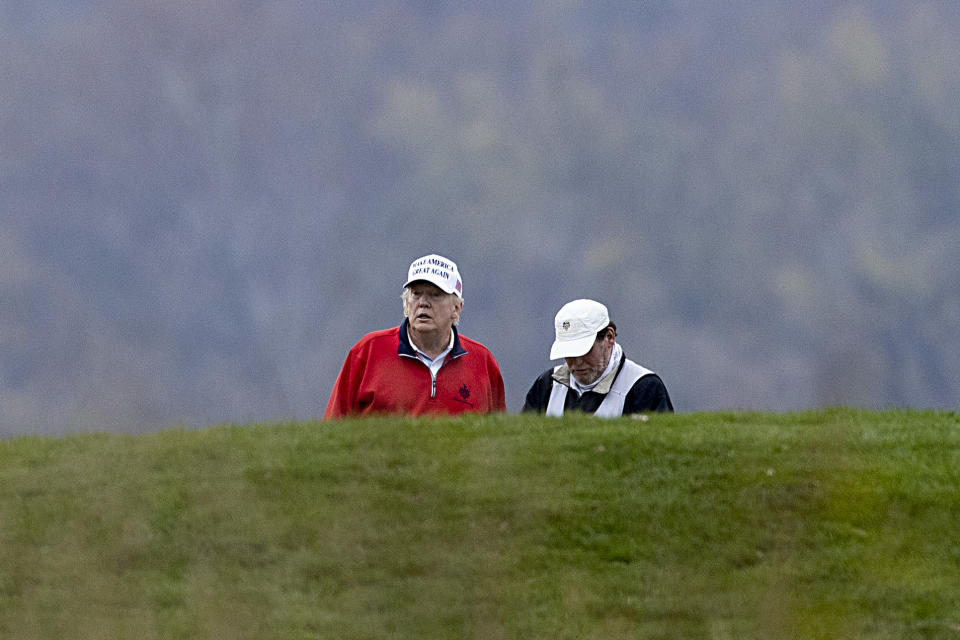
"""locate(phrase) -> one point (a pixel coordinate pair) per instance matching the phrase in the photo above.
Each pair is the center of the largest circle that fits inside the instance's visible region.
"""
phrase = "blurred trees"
(206, 204)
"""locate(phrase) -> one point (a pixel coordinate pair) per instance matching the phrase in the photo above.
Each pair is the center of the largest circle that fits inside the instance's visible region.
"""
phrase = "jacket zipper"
(433, 378)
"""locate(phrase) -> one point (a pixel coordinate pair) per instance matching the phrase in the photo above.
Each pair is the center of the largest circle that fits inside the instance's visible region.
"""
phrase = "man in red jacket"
(424, 366)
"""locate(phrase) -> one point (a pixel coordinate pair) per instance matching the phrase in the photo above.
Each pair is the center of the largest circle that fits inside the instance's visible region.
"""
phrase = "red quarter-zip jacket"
(382, 374)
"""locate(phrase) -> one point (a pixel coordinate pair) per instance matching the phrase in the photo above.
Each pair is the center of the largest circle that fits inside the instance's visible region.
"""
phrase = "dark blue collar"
(406, 349)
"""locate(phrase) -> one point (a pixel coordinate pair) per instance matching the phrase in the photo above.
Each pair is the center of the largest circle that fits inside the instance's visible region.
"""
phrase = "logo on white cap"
(576, 327)
(437, 270)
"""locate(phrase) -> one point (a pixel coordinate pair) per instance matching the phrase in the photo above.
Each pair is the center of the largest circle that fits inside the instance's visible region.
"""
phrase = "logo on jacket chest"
(464, 395)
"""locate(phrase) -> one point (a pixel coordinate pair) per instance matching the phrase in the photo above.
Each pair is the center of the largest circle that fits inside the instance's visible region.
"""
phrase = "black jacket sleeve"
(539, 394)
(648, 394)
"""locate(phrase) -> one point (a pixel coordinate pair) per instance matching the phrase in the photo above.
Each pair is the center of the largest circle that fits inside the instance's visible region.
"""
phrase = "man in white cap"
(596, 376)
(424, 366)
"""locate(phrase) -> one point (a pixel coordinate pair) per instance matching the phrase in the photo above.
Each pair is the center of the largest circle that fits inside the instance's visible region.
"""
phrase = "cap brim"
(572, 348)
(436, 284)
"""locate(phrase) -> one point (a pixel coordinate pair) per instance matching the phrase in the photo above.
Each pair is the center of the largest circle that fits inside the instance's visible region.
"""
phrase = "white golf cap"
(576, 326)
(436, 270)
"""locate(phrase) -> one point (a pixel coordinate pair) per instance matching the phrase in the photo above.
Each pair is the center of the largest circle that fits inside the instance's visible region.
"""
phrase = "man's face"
(588, 367)
(429, 309)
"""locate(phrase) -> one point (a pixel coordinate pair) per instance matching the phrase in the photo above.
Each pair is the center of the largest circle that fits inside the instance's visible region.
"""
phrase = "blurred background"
(206, 203)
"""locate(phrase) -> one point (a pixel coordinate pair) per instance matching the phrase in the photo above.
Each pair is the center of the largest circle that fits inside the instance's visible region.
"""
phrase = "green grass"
(823, 524)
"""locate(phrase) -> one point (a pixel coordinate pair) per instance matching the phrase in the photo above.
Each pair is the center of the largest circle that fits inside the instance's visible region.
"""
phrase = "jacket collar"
(404, 348)
(561, 373)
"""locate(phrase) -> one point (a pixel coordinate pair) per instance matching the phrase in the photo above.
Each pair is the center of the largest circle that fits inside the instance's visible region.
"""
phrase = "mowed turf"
(821, 524)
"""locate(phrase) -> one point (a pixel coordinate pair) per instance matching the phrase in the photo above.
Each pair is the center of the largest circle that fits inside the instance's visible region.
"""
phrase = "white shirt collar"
(433, 363)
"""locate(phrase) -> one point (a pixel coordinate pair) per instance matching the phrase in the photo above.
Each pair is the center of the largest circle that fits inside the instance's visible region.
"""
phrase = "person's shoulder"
(539, 393)
(645, 377)
(649, 380)
(470, 344)
(375, 337)
(636, 370)
(649, 393)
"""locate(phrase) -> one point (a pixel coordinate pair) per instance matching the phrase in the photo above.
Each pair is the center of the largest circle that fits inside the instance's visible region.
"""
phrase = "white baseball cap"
(436, 270)
(576, 326)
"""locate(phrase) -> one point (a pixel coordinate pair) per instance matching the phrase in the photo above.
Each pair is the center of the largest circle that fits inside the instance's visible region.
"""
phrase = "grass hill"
(821, 524)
